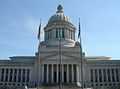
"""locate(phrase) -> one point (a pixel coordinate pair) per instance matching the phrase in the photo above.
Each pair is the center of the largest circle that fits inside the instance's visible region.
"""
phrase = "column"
(13, 74)
(47, 72)
(52, 73)
(98, 75)
(102, 75)
(67, 33)
(63, 73)
(78, 74)
(21, 75)
(67, 73)
(26, 76)
(111, 75)
(106, 75)
(119, 74)
(57, 72)
(8, 74)
(93, 76)
(42, 72)
(17, 76)
(4, 74)
(0, 73)
(115, 75)
(72, 73)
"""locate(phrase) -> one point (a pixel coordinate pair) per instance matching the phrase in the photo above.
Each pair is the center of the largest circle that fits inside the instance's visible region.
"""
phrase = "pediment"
(55, 56)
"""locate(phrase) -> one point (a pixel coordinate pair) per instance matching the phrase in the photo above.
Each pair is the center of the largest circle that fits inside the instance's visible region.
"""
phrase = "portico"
(51, 73)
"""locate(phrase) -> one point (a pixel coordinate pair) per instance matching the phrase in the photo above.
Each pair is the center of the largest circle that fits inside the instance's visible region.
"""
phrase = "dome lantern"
(59, 9)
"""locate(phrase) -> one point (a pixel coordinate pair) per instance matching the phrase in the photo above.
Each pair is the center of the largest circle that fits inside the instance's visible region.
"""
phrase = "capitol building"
(60, 59)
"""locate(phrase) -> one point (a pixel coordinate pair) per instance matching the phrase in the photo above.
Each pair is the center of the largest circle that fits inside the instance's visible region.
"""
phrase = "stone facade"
(59, 54)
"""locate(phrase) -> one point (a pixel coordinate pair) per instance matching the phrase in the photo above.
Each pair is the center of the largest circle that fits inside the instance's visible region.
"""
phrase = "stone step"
(57, 87)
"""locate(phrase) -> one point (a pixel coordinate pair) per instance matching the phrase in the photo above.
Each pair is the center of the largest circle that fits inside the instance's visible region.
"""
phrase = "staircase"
(57, 87)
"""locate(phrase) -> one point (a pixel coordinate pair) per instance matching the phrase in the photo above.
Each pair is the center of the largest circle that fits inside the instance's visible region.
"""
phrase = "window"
(46, 35)
(45, 73)
(50, 34)
(60, 33)
(100, 75)
(28, 73)
(70, 73)
(56, 33)
(23, 76)
(104, 74)
(15, 74)
(49, 70)
(117, 75)
(2, 77)
(113, 78)
(75, 72)
(71, 34)
(19, 75)
(91, 75)
(63, 34)
(108, 72)
(11, 72)
(96, 76)
(6, 77)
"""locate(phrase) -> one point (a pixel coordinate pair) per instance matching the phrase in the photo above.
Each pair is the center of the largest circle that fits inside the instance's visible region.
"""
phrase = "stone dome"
(59, 16)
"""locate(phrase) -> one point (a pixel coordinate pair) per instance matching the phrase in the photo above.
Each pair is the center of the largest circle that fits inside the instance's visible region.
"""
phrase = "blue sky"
(100, 25)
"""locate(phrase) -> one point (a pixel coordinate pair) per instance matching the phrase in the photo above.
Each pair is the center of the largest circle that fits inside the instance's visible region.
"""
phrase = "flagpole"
(60, 62)
(39, 65)
(81, 56)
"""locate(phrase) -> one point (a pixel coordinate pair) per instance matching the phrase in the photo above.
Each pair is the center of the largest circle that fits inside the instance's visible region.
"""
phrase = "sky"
(100, 25)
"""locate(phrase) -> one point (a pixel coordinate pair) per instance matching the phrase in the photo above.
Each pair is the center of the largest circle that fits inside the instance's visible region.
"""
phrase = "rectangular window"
(23, 75)
(91, 75)
(117, 75)
(6, 77)
(104, 75)
(71, 34)
(96, 76)
(63, 34)
(49, 71)
(46, 35)
(60, 33)
(56, 33)
(70, 73)
(2, 77)
(45, 73)
(15, 74)
(28, 75)
(108, 72)
(113, 76)
(11, 72)
(19, 75)
(75, 72)
(100, 75)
